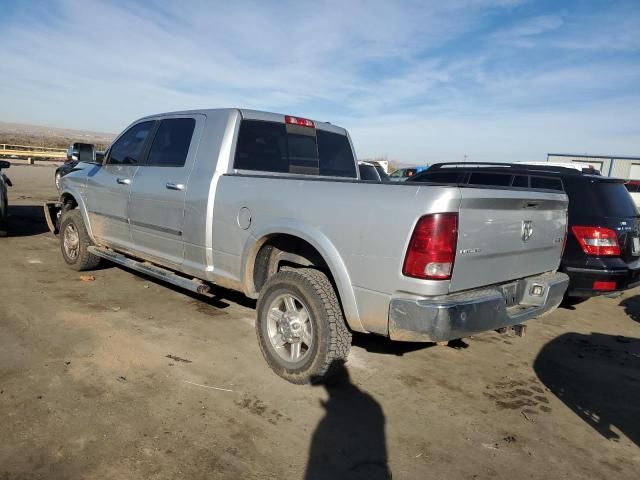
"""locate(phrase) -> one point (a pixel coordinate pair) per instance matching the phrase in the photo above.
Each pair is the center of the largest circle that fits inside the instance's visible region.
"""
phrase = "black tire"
(83, 259)
(331, 338)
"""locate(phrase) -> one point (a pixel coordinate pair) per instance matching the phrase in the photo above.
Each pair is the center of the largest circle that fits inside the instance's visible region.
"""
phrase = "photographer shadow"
(349, 442)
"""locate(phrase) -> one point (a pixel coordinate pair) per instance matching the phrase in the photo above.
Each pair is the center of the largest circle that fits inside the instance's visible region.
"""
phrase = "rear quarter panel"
(362, 230)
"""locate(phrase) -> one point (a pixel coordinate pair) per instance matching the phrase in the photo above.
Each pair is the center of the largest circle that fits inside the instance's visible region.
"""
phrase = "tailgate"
(506, 234)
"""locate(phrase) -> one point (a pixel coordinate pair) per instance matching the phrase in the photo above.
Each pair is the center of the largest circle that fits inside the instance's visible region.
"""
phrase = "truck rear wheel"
(74, 241)
(300, 327)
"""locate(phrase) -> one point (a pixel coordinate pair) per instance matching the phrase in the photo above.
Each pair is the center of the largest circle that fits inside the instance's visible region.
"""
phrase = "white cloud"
(388, 70)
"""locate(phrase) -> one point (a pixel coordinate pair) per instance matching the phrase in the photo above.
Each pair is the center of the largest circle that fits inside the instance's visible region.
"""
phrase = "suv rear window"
(611, 199)
(276, 147)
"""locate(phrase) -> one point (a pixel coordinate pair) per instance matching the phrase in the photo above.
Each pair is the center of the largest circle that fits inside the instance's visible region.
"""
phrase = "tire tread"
(86, 260)
(339, 336)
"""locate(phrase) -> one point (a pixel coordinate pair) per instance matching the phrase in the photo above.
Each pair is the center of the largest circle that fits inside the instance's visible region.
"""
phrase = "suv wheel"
(74, 241)
(300, 327)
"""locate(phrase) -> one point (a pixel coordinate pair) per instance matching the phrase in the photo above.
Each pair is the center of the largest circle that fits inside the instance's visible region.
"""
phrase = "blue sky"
(417, 81)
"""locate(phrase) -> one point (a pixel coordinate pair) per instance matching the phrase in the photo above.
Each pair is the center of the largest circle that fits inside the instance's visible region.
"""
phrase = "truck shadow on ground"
(598, 377)
(26, 220)
(386, 346)
(349, 442)
(632, 307)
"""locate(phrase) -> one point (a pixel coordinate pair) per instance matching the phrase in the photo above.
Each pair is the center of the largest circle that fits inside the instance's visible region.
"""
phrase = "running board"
(154, 271)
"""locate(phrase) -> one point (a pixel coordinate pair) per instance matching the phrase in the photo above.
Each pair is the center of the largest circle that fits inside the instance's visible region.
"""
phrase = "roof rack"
(514, 166)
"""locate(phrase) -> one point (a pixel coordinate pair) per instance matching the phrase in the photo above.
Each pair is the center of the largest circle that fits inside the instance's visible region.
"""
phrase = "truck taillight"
(432, 248)
(303, 122)
(599, 241)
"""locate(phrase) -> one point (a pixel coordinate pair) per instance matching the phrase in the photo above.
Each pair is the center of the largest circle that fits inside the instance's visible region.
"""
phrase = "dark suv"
(4, 201)
(602, 250)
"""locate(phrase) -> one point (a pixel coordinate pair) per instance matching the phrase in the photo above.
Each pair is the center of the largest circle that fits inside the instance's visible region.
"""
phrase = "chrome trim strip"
(112, 217)
(177, 233)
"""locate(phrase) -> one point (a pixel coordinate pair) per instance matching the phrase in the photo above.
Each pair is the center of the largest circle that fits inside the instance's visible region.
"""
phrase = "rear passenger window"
(128, 148)
(548, 183)
(520, 181)
(276, 147)
(494, 179)
(171, 142)
(437, 177)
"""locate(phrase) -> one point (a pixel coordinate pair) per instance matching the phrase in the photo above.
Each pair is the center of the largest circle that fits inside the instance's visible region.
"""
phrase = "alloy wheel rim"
(71, 242)
(290, 328)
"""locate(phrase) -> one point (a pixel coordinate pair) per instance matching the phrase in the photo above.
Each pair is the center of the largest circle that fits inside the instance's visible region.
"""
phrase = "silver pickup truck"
(272, 205)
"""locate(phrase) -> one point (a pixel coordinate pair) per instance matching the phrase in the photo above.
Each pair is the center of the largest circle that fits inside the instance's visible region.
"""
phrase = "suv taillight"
(599, 241)
(432, 248)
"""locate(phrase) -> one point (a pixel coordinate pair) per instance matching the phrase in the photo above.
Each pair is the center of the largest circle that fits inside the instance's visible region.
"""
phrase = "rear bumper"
(581, 280)
(467, 313)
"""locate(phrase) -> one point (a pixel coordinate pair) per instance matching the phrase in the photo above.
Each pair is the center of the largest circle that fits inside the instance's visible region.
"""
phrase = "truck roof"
(248, 114)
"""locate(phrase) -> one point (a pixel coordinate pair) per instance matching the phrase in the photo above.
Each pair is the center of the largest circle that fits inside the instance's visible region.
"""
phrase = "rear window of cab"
(294, 149)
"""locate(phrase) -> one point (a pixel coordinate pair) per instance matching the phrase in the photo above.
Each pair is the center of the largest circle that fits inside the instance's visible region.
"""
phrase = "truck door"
(157, 203)
(108, 186)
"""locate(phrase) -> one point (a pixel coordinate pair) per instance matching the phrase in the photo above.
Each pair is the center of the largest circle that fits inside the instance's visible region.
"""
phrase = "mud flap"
(52, 215)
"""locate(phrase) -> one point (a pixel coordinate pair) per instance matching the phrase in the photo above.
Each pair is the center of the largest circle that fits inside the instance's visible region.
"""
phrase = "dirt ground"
(126, 378)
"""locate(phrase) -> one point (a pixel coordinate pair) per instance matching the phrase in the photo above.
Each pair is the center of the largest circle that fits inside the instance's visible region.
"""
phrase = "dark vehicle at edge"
(76, 153)
(372, 171)
(602, 251)
(4, 198)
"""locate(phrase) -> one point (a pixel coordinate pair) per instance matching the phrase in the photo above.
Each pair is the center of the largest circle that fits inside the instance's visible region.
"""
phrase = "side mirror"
(4, 164)
(100, 157)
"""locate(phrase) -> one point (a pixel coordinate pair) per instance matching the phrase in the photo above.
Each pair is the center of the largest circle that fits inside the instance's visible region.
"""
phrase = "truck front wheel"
(74, 242)
(300, 327)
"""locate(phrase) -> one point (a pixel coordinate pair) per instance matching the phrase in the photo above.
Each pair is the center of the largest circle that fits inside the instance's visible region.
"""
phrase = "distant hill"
(40, 136)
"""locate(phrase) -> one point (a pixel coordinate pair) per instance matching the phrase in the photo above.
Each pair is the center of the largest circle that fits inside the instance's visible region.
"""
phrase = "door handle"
(124, 181)
(175, 186)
